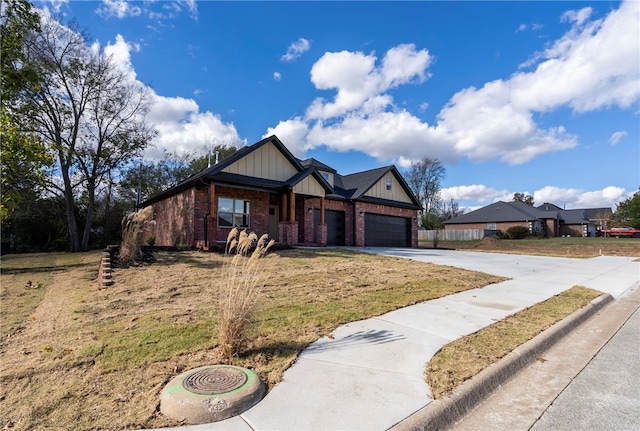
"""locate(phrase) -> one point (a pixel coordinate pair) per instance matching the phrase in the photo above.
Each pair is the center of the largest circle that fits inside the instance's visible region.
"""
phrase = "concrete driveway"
(608, 274)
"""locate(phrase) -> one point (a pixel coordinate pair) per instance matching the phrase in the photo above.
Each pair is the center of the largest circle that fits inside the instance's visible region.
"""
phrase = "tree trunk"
(74, 237)
(91, 198)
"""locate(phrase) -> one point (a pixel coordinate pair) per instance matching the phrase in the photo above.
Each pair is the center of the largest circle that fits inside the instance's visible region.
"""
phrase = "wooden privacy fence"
(454, 234)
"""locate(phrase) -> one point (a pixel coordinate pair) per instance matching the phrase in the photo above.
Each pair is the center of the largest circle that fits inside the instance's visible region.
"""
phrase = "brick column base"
(321, 232)
(288, 231)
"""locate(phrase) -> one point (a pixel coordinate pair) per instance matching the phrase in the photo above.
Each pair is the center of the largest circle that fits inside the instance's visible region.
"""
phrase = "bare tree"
(90, 110)
(522, 197)
(451, 210)
(425, 180)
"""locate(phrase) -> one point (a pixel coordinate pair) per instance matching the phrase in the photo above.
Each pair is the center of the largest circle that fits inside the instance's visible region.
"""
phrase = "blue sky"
(532, 97)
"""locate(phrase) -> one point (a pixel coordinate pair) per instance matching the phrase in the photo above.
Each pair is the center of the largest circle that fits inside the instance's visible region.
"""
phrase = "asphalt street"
(606, 394)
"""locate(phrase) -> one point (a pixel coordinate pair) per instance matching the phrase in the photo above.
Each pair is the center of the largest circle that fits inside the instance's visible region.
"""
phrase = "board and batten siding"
(265, 162)
(328, 176)
(397, 193)
(309, 186)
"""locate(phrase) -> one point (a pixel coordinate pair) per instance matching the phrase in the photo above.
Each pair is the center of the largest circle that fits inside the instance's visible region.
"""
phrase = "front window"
(389, 183)
(491, 226)
(233, 212)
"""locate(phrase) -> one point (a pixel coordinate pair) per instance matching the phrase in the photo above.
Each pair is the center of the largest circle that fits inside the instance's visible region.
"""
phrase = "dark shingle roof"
(318, 165)
(350, 187)
(497, 212)
(517, 211)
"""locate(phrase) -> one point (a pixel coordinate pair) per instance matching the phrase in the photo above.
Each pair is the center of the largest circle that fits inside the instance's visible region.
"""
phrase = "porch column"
(283, 211)
(292, 206)
(321, 229)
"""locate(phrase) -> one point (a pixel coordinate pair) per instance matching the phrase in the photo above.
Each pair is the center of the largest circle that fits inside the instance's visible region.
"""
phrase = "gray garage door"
(335, 226)
(386, 231)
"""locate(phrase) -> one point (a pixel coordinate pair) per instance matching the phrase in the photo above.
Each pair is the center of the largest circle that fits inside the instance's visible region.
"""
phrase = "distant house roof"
(497, 212)
(517, 211)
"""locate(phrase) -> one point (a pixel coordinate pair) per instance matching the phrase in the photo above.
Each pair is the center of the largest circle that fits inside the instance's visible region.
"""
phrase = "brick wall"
(180, 219)
(174, 220)
(258, 212)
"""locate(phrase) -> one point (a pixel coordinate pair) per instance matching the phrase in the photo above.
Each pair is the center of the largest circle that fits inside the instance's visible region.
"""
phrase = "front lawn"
(78, 358)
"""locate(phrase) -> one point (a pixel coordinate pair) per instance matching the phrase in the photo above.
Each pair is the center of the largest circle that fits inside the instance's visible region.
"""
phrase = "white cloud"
(521, 27)
(292, 132)
(296, 49)
(182, 128)
(577, 198)
(595, 65)
(118, 8)
(475, 192)
(120, 52)
(617, 136)
(277, 76)
(55, 5)
(568, 198)
(577, 16)
(359, 83)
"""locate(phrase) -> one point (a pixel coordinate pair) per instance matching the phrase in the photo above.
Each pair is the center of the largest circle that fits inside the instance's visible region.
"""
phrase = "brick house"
(545, 220)
(263, 188)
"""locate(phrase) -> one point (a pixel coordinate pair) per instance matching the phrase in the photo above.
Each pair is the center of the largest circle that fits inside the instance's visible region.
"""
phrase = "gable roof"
(355, 186)
(517, 211)
(349, 187)
(497, 212)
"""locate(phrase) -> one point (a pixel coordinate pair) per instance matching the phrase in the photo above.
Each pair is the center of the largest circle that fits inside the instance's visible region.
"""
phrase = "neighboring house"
(263, 188)
(545, 220)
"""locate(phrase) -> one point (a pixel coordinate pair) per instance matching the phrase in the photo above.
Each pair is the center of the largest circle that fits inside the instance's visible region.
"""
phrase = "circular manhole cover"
(211, 394)
(212, 381)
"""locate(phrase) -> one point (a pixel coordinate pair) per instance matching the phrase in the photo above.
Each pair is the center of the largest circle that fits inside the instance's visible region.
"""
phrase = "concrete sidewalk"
(370, 374)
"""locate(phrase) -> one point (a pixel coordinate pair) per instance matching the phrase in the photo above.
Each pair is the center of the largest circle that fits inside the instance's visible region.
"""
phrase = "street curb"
(443, 413)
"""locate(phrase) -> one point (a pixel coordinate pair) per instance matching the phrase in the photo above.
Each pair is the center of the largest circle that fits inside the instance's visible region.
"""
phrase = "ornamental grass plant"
(240, 289)
(133, 226)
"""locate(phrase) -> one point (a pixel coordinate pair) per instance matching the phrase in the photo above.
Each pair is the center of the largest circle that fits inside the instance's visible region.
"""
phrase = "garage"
(386, 231)
(335, 226)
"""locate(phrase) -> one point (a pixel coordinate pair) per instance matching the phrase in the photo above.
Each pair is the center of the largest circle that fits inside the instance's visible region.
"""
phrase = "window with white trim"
(491, 226)
(233, 212)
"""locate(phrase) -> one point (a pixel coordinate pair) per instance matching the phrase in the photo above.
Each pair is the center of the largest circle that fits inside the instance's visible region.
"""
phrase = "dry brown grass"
(78, 358)
(563, 247)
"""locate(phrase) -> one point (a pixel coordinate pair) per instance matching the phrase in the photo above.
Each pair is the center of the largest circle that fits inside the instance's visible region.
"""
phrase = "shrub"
(517, 232)
(240, 289)
(151, 240)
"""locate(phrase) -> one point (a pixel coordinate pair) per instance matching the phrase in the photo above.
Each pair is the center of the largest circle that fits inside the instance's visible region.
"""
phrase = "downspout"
(206, 215)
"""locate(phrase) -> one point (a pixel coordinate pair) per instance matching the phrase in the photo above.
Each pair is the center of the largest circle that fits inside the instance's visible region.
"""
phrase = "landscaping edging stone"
(211, 394)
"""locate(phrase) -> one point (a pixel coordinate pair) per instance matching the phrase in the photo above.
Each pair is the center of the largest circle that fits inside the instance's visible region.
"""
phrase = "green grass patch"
(465, 357)
(148, 339)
